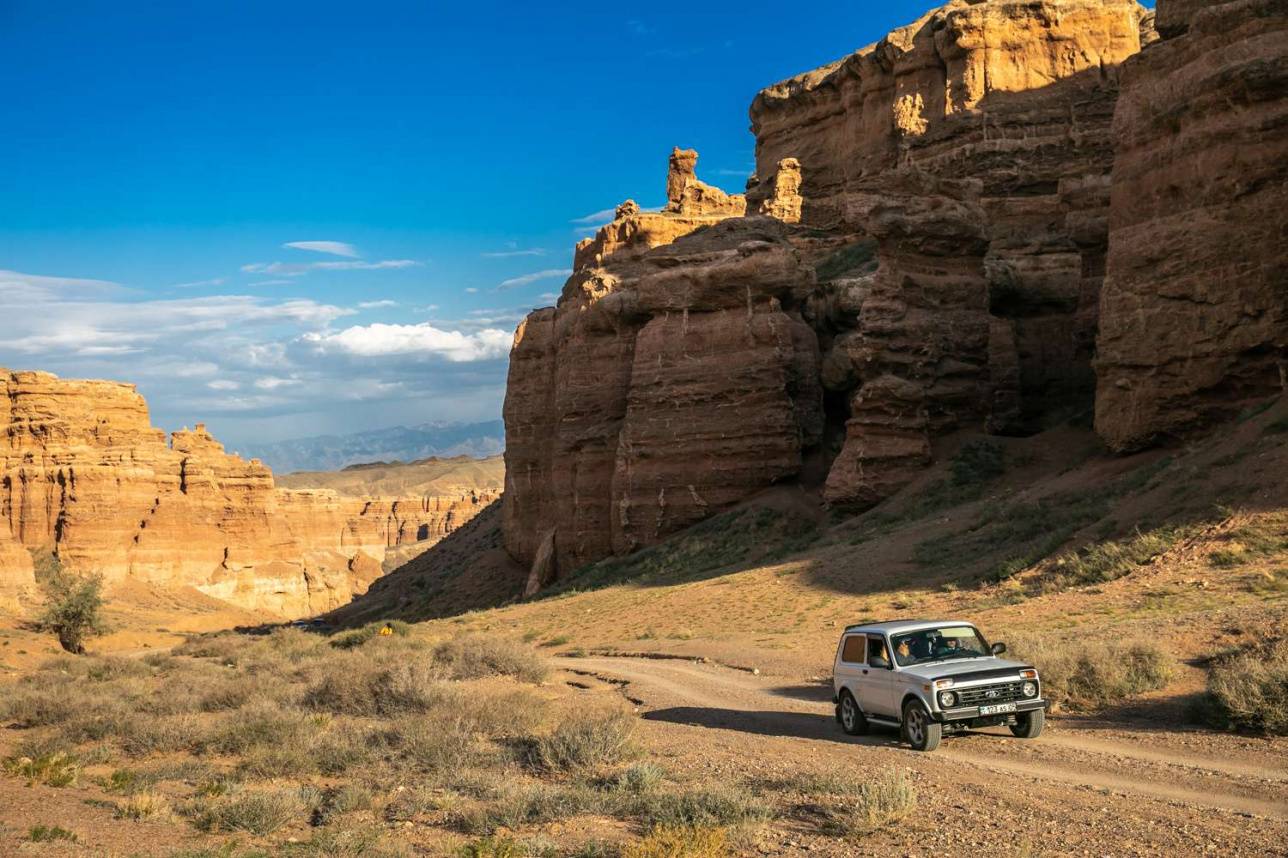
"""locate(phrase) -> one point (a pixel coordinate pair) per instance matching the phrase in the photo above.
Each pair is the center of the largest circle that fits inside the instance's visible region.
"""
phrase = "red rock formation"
(84, 473)
(1194, 316)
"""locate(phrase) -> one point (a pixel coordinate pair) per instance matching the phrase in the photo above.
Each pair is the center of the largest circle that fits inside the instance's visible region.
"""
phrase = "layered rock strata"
(85, 475)
(1194, 314)
(927, 253)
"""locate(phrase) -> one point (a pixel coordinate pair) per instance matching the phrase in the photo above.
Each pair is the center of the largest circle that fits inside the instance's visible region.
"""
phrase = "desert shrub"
(142, 735)
(49, 834)
(223, 647)
(55, 768)
(474, 656)
(42, 703)
(584, 740)
(1088, 674)
(265, 762)
(1248, 690)
(680, 841)
(721, 807)
(432, 743)
(111, 667)
(363, 686)
(339, 800)
(880, 800)
(231, 692)
(260, 727)
(256, 812)
(143, 805)
(73, 605)
(338, 751)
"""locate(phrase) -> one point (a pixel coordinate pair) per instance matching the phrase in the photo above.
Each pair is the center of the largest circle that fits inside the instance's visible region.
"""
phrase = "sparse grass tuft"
(883, 799)
(54, 768)
(143, 805)
(49, 834)
(681, 841)
(357, 637)
(1107, 561)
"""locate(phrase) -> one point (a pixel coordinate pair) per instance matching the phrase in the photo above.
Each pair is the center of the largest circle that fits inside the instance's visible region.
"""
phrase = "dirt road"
(1223, 775)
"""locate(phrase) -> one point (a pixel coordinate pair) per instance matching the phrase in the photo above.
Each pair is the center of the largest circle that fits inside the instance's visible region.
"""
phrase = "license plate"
(997, 709)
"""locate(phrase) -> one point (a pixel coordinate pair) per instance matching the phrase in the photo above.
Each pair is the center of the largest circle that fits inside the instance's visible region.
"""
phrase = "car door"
(849, 664)
(875, 683)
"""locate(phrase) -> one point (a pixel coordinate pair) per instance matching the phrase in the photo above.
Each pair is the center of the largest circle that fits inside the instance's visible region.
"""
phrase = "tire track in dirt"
(707, 696)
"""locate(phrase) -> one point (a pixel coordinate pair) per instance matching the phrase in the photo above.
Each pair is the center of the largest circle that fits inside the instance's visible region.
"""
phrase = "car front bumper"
(972, 713)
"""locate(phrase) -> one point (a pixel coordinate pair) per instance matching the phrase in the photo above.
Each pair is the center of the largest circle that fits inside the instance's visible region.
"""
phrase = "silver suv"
(927, 677)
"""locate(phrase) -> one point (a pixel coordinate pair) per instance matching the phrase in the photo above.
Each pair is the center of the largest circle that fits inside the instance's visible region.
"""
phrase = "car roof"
(891, 627)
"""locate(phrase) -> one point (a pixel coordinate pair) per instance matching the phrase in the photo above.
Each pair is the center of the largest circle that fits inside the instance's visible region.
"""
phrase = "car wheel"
(1028, 725)
(851, 716)
(918, 728)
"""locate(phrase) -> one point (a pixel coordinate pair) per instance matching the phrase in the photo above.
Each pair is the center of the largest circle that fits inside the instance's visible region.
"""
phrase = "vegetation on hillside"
(74, 604)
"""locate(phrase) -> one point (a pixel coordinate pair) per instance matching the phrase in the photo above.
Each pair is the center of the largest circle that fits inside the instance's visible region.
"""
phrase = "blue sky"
(289, 218)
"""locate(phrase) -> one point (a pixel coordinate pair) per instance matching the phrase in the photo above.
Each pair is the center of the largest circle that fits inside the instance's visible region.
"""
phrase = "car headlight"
(1029, 689)
(947, 699)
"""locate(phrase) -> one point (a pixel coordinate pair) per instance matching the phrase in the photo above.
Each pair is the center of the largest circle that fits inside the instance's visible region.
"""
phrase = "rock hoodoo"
(83, 473)
(923, 248)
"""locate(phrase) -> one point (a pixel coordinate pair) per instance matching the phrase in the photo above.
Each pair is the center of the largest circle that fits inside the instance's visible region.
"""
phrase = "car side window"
(877, 648)
(852, 650)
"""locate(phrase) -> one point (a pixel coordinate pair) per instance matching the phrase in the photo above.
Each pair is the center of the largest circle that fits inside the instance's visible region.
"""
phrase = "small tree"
(73, 604)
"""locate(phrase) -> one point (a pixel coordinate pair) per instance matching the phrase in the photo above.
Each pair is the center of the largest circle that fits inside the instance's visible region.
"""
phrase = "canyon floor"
(720, 642)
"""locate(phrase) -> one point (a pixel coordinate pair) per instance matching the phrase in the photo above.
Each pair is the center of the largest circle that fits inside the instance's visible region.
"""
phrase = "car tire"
(851, 716)
(922, 732)
(1028, 725)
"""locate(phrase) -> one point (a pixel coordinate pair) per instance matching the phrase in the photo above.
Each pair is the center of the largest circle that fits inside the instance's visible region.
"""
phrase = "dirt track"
(1197, 770)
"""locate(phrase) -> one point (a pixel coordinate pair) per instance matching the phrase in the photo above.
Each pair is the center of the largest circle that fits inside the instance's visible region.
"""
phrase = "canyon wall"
(85, 475)
(923, 248)
(1194, 318)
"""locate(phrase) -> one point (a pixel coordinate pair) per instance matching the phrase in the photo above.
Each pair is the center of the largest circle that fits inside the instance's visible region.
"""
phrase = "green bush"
(50, 833)
(73, 605)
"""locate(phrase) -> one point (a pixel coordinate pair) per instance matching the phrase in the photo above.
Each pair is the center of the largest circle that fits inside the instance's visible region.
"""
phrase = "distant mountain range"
(396, 444)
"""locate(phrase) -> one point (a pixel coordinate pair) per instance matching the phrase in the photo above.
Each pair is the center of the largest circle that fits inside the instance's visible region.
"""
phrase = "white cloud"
(547, 296)
(273, 283)
(525, 279)
(507, 254)
(16, 286)
(470, 290)
(298, 269)
(421, 339)
(272, 382)
(598, 218)
(214, 281)
(335, 248)
(376, 305)
(222, 384)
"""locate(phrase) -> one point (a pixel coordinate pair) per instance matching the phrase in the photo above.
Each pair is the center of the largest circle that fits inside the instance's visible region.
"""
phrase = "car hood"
(964, 667)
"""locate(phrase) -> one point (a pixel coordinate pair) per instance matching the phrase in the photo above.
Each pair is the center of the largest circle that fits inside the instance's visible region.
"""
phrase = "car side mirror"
(999, 648)
(879, 662)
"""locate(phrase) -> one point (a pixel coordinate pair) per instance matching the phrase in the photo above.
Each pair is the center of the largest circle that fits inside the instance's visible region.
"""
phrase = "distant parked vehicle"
(931, 677)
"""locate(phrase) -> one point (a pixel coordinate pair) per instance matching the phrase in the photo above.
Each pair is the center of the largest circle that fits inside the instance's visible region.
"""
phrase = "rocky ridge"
(924, 248)
(86, 476)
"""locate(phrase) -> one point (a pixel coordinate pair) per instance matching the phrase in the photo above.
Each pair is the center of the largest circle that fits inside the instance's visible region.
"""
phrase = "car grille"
(987, 695)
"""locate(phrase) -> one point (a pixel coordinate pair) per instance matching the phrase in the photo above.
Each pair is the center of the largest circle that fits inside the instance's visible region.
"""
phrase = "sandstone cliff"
(84, 474)
(1194, 320)
(925, 250)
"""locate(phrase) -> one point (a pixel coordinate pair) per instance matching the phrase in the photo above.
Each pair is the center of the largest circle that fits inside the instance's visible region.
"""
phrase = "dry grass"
(1084, 674)
(585, 740)
(681, 841)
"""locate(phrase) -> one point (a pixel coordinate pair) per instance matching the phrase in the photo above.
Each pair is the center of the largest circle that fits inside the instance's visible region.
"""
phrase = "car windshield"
(938, 644)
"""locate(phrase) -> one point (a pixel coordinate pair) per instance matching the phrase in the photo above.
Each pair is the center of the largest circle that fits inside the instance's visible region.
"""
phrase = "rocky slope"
(84, 474)
(923, 249)
(432, 476)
